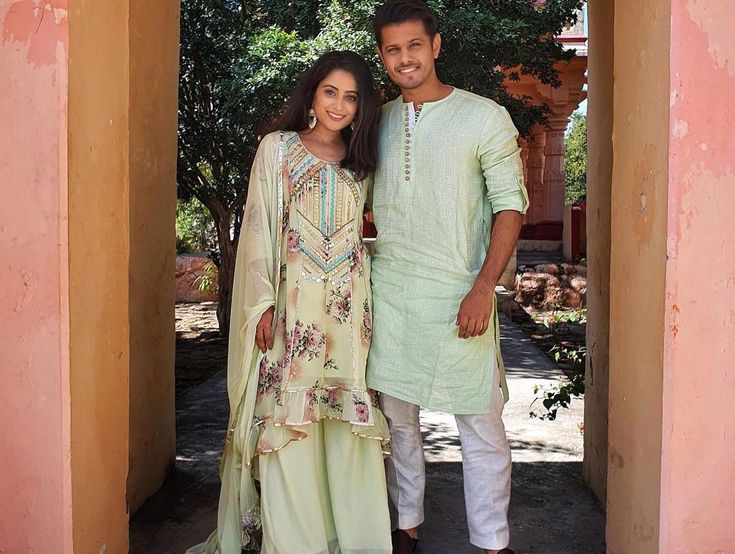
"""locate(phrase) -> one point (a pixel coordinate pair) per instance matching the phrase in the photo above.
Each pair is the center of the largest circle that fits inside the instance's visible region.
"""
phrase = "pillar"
(535, 172)
(562, 101)
(153, 120)
(554, 168)
(88, 109)
(98, 230)
(543, 221)
(35, 464)
(637, 284)
(697, 471)
(599, 177)
(671, 481)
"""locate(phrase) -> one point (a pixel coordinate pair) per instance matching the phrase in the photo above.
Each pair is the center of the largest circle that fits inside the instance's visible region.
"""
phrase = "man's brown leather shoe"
(403, 543)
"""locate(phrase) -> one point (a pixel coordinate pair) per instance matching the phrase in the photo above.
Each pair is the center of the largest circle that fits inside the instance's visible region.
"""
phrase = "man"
(449, 164)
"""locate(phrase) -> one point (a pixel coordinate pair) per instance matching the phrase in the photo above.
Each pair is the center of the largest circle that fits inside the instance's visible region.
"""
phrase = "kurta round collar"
(433, 102)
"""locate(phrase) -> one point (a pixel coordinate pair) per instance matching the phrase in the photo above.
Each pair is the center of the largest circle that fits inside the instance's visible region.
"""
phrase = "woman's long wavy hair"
(362, 142)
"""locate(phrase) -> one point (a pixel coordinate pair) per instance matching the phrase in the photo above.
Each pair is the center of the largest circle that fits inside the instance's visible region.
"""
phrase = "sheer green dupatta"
(255, 289)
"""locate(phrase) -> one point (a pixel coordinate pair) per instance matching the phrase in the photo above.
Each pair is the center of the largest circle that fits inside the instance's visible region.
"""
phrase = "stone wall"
(552, 286)
(189, 268)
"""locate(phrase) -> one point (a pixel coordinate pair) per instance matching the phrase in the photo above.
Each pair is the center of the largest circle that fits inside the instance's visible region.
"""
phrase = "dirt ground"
(200, 350)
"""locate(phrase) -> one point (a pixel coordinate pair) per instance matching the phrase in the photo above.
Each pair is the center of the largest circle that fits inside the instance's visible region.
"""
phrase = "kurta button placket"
(407, 147)
(409, 128)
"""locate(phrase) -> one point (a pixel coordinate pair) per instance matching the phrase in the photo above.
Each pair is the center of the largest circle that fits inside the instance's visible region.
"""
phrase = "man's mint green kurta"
(435, 191)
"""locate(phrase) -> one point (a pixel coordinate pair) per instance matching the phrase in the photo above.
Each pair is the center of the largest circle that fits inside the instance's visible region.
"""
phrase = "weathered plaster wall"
(638, 255)
(98, 272)
(599, 176)
(35, 499)
(698, 472)
(88, 111)
(154, 63)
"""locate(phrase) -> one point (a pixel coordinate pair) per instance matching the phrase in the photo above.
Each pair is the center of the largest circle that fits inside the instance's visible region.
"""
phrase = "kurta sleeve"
(500, 158)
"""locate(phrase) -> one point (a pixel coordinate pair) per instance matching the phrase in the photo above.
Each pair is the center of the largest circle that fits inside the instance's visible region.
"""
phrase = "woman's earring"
(312, 118)
(352, 125)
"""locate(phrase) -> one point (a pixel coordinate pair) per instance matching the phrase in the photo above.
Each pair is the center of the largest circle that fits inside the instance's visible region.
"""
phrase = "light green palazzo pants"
(324, 494)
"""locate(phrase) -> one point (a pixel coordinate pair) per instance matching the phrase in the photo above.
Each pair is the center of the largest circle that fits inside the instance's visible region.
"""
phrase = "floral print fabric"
(323, 328)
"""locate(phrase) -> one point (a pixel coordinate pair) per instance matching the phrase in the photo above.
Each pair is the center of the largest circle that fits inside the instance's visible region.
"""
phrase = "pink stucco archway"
(90, 163)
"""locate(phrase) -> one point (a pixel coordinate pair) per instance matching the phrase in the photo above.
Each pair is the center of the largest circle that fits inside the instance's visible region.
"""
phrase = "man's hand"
(264, 331)
(473, 317)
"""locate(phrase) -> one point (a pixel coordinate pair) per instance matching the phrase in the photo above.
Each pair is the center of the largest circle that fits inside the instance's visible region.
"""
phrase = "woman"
(302, 421)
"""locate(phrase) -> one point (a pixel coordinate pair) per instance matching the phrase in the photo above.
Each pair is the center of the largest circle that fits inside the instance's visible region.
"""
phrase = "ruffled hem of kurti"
(301, 407)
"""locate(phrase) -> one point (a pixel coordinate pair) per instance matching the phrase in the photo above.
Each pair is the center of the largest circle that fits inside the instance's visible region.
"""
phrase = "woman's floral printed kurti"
(301, 253)
(316, 368)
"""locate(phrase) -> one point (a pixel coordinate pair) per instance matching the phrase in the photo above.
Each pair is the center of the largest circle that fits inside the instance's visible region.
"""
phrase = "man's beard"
(411, 84)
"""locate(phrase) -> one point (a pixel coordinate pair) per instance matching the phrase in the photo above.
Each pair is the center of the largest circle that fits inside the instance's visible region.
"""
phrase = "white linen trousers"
(486, 466)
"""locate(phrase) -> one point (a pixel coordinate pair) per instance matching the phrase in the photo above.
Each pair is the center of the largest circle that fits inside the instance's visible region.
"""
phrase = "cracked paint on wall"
(40, 26)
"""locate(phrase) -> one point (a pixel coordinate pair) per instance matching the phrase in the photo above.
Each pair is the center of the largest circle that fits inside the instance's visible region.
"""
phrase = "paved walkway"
(551, 511)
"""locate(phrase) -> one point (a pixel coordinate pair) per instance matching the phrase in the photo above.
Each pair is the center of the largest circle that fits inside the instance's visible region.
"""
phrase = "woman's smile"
(335, 116)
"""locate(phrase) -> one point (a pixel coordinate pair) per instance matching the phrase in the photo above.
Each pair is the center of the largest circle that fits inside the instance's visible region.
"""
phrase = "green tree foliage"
(239, 60)
(575, 161)
(194, 227)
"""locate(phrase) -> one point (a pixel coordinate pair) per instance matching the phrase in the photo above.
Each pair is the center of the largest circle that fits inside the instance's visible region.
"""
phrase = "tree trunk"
(226, 272)
(226, 269)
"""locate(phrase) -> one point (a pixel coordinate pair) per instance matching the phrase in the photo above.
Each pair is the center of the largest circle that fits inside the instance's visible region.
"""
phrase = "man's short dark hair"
(394, 12)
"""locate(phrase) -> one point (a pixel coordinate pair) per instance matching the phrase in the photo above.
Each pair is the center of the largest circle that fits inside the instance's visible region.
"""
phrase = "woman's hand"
(264, 330)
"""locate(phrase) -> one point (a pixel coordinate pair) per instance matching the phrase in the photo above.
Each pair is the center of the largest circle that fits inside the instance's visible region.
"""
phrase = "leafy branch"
(571, 386)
